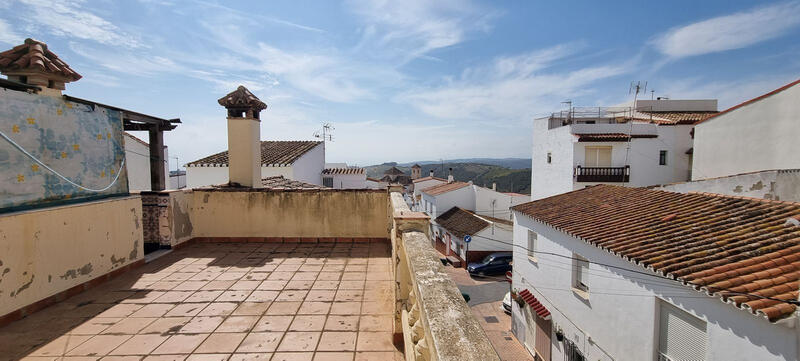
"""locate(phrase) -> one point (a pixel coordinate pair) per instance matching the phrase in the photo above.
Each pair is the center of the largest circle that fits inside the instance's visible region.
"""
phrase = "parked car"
(493, 264)
(507, 303)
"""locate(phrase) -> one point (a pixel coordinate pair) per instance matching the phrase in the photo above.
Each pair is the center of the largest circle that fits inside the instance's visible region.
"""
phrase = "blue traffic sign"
(467, 239)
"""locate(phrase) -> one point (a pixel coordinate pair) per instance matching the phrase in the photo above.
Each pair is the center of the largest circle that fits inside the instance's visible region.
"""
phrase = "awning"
(536, 306)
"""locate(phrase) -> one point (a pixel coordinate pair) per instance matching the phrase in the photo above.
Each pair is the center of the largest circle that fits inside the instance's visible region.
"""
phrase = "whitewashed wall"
(349, 181)
(556, 177)
(308, 168)
(137, 161)
(502, 202)
(207, 176)
(621, 312)
(463, 197)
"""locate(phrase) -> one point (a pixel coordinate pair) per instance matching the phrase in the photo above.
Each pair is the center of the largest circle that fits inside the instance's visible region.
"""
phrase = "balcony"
(251, 274)
(603, 174)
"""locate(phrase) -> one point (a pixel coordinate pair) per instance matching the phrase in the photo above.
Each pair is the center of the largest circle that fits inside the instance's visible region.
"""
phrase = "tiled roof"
(273, 152)
(242, 98)
(416, 166)
(611, 137)
(428, 178)
(461, 222)
(776, 91)
(535, 305)
(33, 55)
(678, 117)
(723, 245)
(444, 188)
(343, 171)
(279, 182)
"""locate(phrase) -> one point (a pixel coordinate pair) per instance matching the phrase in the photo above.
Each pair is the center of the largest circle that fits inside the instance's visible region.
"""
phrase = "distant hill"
(513, 163)
(507, 179)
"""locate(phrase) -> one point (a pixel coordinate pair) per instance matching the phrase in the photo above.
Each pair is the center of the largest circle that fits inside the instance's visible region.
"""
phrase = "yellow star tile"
(31, 120)
(99, 136)
(69, 105)
(20, 178)
(15, 128)
(59, 112)
(103, 174)
(76, 147)
(63, 154)
(35, 167)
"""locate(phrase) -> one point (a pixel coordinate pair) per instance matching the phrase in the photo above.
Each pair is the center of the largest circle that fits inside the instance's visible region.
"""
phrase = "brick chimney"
(244, 137)
(33, 64)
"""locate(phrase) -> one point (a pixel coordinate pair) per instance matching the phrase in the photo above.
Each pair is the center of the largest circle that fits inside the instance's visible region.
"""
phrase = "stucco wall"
(463, 197)
(783, 185)
(349, 181)
(502, 202)
(758, 136)
(44, 252)
(208, 176)
(329, 213)
(627, 303)
(308, 168)
(555, 177)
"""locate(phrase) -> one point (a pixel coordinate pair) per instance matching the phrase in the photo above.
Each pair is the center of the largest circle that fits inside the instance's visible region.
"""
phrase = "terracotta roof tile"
(444, 188)
(278, 183)
(611, 137)
(461, 222)
(343, 171)
(272, 153)
(34, 56)
(724, 245)
(429, 178)
(675, 117)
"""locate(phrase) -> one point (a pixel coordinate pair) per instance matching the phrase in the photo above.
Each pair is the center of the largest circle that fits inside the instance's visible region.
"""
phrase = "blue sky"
(405, 80)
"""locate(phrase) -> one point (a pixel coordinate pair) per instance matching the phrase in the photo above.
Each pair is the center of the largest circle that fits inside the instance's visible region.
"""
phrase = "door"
(530, 329)
(598, 156)
(543, 342)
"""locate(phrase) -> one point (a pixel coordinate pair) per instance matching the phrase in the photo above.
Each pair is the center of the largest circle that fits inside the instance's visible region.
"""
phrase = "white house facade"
(757, 135)
(137, 162)
(302, 161)
(344, 178)
(648, 144)
(579, 298)
(488, 235)
(440, 198)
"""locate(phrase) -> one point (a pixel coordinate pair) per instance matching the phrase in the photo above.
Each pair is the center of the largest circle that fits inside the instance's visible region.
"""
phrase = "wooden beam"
(157, 176)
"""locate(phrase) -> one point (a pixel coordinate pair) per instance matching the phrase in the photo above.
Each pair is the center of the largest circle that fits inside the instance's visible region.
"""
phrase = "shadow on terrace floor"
(237, 301)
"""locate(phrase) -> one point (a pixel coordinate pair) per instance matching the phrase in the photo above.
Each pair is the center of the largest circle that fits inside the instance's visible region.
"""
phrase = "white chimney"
(431, 173)
(494, 186)
(244, 137)
(450, 175)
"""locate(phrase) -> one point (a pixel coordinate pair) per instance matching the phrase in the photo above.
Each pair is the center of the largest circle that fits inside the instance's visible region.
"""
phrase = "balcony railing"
(603, 174)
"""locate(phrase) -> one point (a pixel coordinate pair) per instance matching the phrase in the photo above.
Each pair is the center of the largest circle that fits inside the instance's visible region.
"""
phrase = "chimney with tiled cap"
(431, 173)
(244, 137)
(450, 175)
(33, 64)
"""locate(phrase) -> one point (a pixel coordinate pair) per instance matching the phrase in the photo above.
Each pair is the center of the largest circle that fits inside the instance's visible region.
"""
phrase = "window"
(681, 336)
(598, 156)
(549, 157)
(662, 157)
(532, 244)
(327, 182)
(581, 275)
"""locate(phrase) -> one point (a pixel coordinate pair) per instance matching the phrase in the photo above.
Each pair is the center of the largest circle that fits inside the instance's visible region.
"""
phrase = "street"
(486, 298)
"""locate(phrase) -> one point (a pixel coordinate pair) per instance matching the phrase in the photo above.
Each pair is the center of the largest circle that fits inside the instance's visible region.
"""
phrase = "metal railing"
(603, 174)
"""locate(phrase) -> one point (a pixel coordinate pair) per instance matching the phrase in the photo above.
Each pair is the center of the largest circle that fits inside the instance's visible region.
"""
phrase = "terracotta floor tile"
(273, 323)
(376, 356)
(166, 325)
(337, 341)
(202, 324)
(325, 285)
(308, 323)
(262, 296)
(251, 308)
(298, 285)
(299, 341)
(264, 356)
(341, 323)
(112, 358)
(120, 310)
(274, 285)
(311, 267)
(321, 295)
(221, 342)
(233, 296)
(346, 308)
(94, 326)
(218, 309)
(230, 276)
(180, 344)
(328, 267)
(260, 342)
(129, 326)
(291, 295)
(204, 296)
(379, 276)
(375, 341)
(377, 307)
(256, 276)
(304, 276)
(351, 285)
(186, 309)
(99, 345)
(349, 296)
(164, 285)
(190, 285)
(335, 356)
(173, 296)
(238, 324)
(314, 308)
(375, 323)
(292, 356)
(165, 358)
(218, 285)
(283, 308)
(354, 276)
(287, 267)
(143, 297)
(208, 357)
(139, 345)
(60, 346)
(153, 310)
(245, 285)
(280, 276)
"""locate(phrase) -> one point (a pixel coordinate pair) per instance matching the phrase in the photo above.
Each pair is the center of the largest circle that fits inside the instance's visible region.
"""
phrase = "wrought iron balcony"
(603, 174)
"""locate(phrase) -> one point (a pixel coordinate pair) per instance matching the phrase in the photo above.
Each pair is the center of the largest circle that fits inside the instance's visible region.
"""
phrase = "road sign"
(467, 239)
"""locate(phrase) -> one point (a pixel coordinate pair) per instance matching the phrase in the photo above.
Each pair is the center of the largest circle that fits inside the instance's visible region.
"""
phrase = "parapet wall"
(781, 185)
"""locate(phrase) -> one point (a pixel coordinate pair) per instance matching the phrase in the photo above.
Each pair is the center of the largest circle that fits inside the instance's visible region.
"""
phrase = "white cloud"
(510, 89)
(8, 35)
(70, 19)
(729, 32)
(410, 29)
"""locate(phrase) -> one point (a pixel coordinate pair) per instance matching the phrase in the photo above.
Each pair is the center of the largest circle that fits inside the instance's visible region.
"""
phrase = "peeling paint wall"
(290, 214)
(782, 185)
(47, 251)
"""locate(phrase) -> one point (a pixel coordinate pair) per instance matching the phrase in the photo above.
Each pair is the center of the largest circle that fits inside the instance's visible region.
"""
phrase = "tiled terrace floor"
(225, 301)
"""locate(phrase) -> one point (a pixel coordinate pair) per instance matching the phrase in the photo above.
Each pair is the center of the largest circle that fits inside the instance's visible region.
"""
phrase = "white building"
(295, 160)
(759, 134)
(418, 185)
(618, 273)
(344, 178)
(585, 146)
(137, 162)
(442, 195)
(488, 235)
(440, 198)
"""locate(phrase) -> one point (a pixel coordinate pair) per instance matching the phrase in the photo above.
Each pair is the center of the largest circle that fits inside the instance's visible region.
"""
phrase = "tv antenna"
(326, 134)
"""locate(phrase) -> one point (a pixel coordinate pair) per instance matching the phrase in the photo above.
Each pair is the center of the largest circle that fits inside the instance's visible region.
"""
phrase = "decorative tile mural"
(52, 151)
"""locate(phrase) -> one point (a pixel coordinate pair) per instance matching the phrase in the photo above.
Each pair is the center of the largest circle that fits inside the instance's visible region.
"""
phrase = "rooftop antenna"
(326, 134)
(635, 88)
(568, 102)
